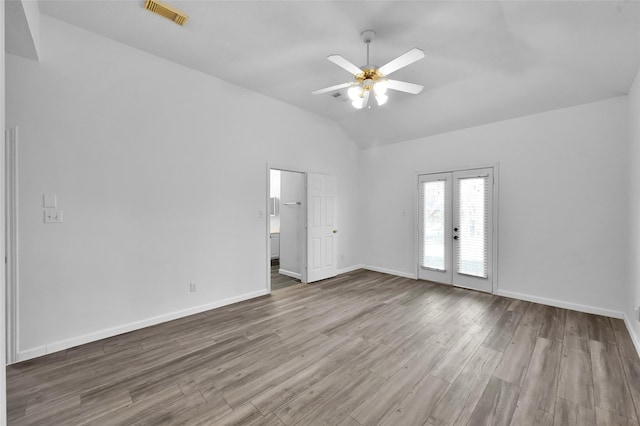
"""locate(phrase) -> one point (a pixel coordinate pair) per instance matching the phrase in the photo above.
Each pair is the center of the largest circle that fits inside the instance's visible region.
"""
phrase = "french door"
(455, 228)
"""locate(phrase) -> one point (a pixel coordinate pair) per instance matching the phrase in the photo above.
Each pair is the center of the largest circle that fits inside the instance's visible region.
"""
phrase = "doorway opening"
(287, 236)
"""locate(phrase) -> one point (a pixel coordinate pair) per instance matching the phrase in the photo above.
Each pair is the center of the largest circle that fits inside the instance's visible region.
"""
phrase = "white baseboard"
(125, 328)
(634, 337)
(390, 272)
(560, 304)
(30, 353)
(349, 269)
(290, 274)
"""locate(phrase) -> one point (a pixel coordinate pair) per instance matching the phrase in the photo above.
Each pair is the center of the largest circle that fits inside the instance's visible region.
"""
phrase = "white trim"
(295, 275)
(350, 269)
(561, 304)
(137, 325)
(390, 272)
(634, 338)
(268, 227)
(459, 169)
(11, 242)
(30, 354)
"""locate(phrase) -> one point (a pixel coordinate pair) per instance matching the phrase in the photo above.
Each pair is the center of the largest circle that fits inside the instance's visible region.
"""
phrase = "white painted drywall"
(563, 194)
(160, 174)
(291, 221)
(633, 297)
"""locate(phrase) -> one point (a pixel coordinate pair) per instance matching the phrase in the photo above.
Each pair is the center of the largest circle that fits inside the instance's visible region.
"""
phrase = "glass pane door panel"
(472, 224)
(434, 215)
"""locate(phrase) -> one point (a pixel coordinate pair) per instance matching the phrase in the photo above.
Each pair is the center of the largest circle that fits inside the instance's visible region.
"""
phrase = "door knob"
(335, 231)
(456, 237)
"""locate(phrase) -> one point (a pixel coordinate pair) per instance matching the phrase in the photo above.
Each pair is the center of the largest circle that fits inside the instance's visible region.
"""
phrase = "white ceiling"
(486, 61)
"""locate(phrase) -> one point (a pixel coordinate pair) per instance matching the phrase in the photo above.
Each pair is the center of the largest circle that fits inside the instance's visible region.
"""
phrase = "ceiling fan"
(370, 78)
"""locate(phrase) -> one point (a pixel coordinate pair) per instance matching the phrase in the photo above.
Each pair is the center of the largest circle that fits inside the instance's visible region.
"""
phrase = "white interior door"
(321, 228)
(455, 228)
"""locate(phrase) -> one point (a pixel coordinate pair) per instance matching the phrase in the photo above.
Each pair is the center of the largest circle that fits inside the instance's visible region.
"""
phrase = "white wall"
(562, 208)
(160, 172)
(291, 222)
(633, 298)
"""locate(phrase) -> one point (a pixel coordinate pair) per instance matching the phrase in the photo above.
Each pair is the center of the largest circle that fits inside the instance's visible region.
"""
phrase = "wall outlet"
(52, 216)
(192, 287)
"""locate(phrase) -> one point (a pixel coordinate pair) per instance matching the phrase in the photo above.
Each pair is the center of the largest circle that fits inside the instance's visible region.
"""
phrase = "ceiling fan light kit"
(372, 80)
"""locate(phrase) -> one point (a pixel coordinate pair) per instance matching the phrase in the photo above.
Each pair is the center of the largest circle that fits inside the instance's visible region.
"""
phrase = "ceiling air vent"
(167, 11)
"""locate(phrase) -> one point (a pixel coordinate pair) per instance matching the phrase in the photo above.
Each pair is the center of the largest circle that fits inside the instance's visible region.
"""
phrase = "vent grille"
(167, 11)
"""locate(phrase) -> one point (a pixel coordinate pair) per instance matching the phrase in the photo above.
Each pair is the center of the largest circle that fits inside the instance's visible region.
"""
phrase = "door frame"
(304, 265)
(11, 242)
(496, 209)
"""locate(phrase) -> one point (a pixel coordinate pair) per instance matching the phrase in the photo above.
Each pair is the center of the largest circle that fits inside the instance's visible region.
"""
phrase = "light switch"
(50, 201)
(52, 216)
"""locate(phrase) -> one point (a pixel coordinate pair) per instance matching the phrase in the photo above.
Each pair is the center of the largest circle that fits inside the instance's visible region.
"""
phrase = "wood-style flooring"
(361, 349)
(279, 281)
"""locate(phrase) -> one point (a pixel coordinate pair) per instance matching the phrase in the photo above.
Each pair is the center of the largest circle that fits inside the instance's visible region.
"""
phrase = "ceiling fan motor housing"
(367, 36)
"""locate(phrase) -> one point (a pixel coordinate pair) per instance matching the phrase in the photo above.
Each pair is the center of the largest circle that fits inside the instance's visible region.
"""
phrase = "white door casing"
(321, 227)
(11, 243)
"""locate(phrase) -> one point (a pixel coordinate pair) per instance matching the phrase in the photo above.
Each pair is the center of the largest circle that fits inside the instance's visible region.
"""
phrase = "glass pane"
(472, 214)
(433, 225)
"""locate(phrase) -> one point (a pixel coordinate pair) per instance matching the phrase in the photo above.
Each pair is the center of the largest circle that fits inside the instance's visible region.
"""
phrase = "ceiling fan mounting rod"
(367, 36)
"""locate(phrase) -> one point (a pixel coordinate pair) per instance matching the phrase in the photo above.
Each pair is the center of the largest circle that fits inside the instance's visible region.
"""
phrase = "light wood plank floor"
(363, 348)
(279, 281)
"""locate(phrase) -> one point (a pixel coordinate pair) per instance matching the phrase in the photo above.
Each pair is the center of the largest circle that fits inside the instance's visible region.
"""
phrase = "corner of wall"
(633, 265)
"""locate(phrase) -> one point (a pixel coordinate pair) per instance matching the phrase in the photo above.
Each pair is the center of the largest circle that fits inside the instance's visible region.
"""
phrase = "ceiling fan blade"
(401, 61)
(332, 88)
(365, 102)
(344, 64)
(403, 86)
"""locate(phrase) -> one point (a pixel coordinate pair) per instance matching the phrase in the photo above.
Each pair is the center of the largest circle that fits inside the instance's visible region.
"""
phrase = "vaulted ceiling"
(486, 61)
